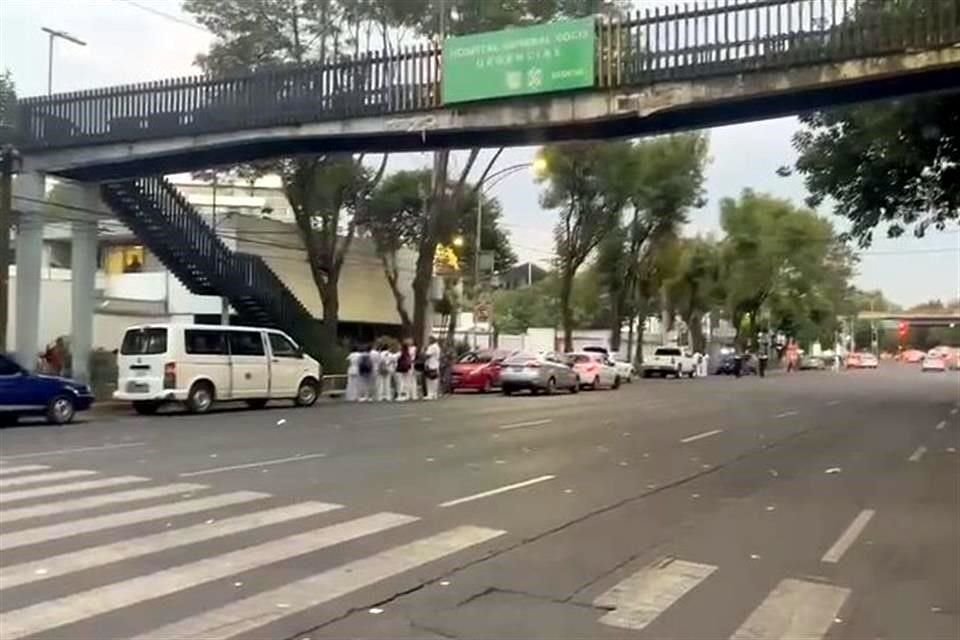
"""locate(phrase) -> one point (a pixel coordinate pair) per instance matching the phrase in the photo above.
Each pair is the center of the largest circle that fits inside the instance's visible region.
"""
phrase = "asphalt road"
(816, 505)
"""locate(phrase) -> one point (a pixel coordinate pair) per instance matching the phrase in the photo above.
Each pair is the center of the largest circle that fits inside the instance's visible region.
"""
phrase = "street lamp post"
(54, 34)
(486, 183)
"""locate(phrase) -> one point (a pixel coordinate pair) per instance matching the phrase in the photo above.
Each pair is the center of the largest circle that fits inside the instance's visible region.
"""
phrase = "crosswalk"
(793, 610)
(159, 540)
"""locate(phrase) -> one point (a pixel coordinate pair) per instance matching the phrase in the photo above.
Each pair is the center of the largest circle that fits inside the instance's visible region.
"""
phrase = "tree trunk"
(629, 338)
(616, 322)
(421, 296)
(695, 326)
(566, 312)
(391, 272)
(330, 297)
(638, 358)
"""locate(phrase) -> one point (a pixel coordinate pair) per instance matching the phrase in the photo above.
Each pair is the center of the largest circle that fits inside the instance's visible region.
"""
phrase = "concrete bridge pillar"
(83, 268)
(31, 189)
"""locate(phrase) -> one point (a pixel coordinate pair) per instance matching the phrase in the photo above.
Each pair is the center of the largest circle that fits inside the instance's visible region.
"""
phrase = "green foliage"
(895, 164)
(786, 260)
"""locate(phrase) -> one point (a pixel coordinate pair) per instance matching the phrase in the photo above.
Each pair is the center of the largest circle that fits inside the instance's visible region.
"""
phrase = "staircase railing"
(173, 230)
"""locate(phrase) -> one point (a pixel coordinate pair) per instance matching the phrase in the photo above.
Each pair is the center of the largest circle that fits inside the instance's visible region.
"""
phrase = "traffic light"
(903, 331)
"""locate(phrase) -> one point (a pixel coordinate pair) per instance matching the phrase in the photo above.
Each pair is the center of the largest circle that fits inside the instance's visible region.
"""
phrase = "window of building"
(205, 342)
(123, 259)
(246, 343)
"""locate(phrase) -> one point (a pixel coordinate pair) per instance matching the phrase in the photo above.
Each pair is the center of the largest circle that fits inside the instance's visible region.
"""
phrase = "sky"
(130, 41)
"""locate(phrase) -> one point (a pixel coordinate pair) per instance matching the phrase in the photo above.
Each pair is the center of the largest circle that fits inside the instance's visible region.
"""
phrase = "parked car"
(625, 368)
(862, 360)
(670, 361)
(812, 363)
(546, 372)
(933, 363)
(23, 394)
(200, 364)
(478, 370)
(594, 370)
(912, 356)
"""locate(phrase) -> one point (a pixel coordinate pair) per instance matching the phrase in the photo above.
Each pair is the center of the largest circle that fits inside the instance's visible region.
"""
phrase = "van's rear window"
(144, 342)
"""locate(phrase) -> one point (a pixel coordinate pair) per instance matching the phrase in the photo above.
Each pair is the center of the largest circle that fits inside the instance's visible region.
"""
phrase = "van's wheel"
(200, 398)
(595, 384)
(145, 407)
(257, 403)
(60, 410)
(575, 388)
(551, 387)
(307, 393)
(616, 382)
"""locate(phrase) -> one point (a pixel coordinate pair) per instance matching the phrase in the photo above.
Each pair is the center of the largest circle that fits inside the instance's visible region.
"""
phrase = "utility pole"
(54, 34)
(8, 161)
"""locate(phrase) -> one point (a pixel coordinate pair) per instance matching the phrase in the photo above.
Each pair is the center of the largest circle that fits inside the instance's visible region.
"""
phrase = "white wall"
(365, 295)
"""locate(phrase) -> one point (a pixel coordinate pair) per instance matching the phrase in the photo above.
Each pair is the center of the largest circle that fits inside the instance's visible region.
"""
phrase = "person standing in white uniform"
(431, 368)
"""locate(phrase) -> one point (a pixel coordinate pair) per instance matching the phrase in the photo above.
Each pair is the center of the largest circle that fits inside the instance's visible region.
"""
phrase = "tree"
(325, 191)
(663, 178)
(435, 19)
(696, 288)
(587, 183)
(786, 261)
(894, 163)
(397, 217)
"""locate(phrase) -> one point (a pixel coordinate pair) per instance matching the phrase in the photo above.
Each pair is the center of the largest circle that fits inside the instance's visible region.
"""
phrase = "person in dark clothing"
(763, 363)
(738, 364)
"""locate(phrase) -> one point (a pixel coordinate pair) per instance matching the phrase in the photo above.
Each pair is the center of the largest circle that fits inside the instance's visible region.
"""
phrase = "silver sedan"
(546, 372)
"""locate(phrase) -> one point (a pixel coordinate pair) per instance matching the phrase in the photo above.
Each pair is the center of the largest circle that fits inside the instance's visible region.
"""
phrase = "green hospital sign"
(522, 61)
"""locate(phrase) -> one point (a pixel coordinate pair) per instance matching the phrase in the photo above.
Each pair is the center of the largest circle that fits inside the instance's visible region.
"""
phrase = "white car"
(624, 369)
(594, 370)
(933, 363)
(670, 361)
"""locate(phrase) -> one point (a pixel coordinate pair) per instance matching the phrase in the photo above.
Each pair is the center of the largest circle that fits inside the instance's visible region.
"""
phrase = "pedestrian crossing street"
(43, 509)
(794, 609)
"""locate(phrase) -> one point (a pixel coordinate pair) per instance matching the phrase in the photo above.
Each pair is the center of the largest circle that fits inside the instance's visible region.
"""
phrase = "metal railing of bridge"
(636, 50)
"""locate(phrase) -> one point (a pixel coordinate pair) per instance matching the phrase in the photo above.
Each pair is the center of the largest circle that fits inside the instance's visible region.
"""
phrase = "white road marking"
(954, 411)
(941, 425)
(532, 423)
(91, 557)
(794, 610)
(80, 504)
(848, 537)
(251, 465)
(39, 478)
(9, 471)
(833, 403)
(57, 452)
(7, 497)
(639, 599)
(256, 611)
(916, 455)
(786, 414)
(44, 616)
(37, 535)
(493, 492)
(700, 436)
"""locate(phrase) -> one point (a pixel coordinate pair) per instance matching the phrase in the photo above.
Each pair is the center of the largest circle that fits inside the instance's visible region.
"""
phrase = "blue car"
(23, 393)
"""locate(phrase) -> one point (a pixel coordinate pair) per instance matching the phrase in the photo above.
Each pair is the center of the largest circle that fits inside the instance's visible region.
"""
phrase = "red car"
(479, 370)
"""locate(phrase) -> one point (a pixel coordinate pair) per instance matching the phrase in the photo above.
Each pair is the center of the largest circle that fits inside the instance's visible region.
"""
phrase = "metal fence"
(682, 42)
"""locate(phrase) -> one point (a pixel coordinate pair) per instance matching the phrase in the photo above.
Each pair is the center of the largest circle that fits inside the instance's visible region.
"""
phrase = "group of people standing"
(388, 371)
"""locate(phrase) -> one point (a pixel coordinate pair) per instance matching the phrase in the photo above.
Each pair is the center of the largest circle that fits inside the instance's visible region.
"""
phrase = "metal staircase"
(173, 230)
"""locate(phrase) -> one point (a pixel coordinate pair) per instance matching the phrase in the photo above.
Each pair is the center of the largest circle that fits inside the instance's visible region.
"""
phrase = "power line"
(167, 16)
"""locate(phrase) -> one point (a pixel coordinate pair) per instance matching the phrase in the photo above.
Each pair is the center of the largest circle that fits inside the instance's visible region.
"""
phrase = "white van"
(200, 364)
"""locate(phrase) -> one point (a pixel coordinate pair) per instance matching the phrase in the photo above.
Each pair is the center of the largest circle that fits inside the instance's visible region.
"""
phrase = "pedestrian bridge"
(654, 72)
